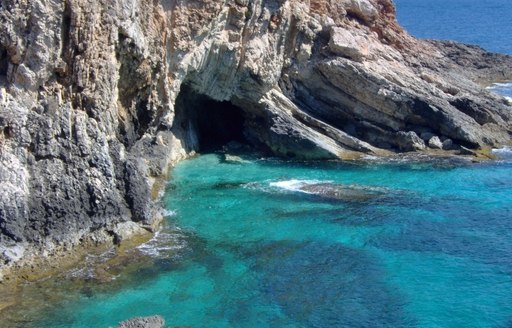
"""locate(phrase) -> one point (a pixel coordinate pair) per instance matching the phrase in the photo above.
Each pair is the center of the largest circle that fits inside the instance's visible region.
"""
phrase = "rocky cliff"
(99, 97)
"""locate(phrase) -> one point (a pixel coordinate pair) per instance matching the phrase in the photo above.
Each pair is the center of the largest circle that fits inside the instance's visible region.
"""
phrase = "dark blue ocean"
(270, 243)
(487, 23)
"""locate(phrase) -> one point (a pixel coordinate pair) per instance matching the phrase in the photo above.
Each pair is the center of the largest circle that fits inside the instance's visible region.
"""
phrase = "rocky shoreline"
(93, 115)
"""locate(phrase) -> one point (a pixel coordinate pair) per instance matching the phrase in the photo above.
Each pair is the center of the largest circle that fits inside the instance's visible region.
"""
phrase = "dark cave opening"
(4, 61)
(207, 124)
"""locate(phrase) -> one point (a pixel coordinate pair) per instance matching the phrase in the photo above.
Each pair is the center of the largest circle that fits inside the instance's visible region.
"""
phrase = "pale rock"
(410, 141)
(363, 9)
(344, 43)
(13, 253)
(155, 321)
(125, 230)
(435, 143)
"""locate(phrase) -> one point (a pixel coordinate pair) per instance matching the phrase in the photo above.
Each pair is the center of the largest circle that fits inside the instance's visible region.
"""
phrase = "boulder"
(448, 144)
(348, 44)
(435, 143)
(409, 141)
(155, 321)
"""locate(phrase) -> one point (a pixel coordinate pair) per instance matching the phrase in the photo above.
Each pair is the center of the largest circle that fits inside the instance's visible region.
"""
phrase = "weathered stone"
(435, 143)
(155, 321)
(448, 144)
(409, 141)
(343, 42)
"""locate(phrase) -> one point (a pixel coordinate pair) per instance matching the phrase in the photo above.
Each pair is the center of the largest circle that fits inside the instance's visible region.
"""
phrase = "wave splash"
(503, 153)
(333, 191)
(165, 242)
(296, 185)
(504, 89)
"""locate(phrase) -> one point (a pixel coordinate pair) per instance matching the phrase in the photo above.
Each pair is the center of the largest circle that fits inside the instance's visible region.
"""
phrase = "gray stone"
(13, 253)
(155, 321)
(426, 136)
(448, 144)
(435, 143)
(409, 141)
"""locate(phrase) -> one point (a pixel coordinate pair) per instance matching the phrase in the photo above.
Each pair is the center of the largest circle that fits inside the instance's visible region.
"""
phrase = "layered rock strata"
(98, 98)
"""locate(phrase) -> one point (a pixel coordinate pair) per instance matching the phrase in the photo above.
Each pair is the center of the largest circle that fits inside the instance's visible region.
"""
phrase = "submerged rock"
(155, 321)
(93, 114)
(344, 193)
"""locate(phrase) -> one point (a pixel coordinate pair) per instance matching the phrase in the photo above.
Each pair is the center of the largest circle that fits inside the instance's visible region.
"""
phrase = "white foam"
(500, 85)
(503, 89)
(169, 213)
(162, 243)
(505, 152)
(295, 185)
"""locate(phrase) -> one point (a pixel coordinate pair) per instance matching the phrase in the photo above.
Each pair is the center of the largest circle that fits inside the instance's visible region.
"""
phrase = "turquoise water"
(268, 243)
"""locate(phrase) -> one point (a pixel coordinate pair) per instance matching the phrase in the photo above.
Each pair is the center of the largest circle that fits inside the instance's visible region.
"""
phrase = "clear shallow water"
(267, 243)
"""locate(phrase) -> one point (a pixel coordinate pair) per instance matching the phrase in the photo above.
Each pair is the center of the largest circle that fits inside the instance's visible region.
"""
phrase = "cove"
(261, 242)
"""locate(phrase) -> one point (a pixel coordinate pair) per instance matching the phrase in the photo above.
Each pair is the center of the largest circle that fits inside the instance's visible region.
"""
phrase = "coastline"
(48, 260)
(64, 259)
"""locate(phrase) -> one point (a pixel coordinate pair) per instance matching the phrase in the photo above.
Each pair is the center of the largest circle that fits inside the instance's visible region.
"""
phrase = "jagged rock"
(12, 254)
(155, 321)
(346, 44)
(435, 143)
(409, 141)
(93, 112)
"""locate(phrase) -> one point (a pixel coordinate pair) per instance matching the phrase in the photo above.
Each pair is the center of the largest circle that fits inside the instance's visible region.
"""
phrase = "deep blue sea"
(483, 22)
(486, 23)
(262, 242)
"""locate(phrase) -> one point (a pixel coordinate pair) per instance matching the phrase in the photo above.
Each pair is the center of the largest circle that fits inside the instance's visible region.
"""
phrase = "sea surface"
(262, 242)
(485, 23)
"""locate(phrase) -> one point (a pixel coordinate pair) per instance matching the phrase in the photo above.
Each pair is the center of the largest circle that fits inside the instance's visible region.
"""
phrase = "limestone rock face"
(98, 98)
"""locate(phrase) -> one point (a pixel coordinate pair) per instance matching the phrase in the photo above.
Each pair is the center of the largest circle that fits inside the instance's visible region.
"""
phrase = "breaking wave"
(164, 243)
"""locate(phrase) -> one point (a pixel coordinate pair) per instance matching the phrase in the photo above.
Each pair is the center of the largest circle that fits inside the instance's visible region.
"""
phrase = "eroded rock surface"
(155, 321)
(98, 98)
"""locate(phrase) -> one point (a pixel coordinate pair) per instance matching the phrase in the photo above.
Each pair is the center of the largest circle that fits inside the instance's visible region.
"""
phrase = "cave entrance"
(206, 124)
